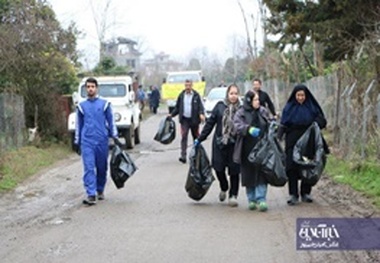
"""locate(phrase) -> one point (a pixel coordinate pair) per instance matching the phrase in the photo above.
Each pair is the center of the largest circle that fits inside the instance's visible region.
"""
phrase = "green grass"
(361, 176)
(17, 165)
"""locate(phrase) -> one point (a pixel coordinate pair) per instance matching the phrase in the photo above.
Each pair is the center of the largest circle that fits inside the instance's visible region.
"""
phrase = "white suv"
(119, 92)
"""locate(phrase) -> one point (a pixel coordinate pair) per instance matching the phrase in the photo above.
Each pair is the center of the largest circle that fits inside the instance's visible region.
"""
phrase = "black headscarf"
(301, 114)
(254, 118)
(248, 97)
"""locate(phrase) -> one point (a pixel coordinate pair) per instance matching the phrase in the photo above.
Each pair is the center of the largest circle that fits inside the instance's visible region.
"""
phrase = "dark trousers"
(223, 183)
(293, 178)
(185, 127)
(142, 105)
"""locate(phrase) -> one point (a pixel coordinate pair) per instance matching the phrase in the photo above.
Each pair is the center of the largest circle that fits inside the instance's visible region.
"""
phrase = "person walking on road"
(154, 99)
(141, 98)
(264, 98)
(300, 111)
(94, 125)
(190, 111)
(223, 144)
(251, 123)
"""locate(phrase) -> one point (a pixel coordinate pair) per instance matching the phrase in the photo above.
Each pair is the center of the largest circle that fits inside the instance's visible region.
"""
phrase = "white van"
(119, 92)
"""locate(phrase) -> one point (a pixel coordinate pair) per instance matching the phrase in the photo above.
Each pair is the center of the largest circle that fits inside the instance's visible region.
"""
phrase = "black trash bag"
(199, 177)
(122, 166)
(270, 157)
(310, 155)
(166, 131)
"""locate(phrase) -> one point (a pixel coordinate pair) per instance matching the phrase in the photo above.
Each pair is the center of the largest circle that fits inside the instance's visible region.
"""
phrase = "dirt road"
(153, 220)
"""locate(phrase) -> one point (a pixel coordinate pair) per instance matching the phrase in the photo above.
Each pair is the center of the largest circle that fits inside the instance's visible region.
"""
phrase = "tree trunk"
(249, 45)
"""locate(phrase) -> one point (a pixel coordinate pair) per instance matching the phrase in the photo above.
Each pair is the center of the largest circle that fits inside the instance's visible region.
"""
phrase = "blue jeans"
(257, 194)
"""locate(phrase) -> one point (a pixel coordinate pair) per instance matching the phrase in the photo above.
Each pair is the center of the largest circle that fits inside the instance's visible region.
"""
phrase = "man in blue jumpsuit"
(95, 124)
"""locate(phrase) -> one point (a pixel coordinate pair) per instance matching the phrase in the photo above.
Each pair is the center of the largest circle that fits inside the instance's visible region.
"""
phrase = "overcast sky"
(172, 26)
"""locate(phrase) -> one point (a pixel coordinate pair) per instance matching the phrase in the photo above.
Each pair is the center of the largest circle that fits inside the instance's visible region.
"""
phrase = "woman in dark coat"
(300, 111)
(154, 99)
(251, 123)
(223, 143)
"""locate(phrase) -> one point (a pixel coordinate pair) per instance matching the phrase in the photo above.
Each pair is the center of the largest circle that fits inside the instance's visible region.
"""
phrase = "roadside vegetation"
(20, 164)
(362, 176)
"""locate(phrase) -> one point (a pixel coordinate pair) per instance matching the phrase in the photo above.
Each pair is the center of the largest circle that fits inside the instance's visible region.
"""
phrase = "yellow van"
(174, 84)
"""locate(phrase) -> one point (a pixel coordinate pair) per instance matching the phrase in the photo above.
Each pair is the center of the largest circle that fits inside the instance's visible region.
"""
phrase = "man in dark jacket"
(264, 98)
(190, 111)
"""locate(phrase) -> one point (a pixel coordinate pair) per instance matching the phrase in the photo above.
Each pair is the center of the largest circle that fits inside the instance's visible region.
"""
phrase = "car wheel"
(72, 140)
(129, 135)
(137, 134)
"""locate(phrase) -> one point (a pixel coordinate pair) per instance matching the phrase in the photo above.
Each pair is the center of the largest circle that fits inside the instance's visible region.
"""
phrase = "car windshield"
(180, 78)
(107, 90)
(217, 94)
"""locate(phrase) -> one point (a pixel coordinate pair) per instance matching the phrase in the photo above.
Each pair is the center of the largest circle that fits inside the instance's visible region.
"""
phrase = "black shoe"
(91, 200)
(292, 200)
(182, 159)
(100, 196)
(307, 199)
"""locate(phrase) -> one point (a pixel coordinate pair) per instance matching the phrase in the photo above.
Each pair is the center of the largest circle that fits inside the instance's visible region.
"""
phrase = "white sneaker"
(222, 196)
(232, 201)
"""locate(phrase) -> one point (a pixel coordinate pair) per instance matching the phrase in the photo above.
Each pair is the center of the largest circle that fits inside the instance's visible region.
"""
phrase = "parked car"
(213, 97)
(119, 91)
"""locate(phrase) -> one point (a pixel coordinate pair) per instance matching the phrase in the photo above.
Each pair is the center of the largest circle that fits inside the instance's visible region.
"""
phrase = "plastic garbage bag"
(122, 166)
(200, 177)
(270, 157)
(310, 155)
(166, 131)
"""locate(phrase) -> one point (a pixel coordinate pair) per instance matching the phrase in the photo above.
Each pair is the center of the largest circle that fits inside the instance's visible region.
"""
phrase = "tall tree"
(338, 25)
(38, 59)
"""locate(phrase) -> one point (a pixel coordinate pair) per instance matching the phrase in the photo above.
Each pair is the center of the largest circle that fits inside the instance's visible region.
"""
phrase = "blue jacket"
(95, 122)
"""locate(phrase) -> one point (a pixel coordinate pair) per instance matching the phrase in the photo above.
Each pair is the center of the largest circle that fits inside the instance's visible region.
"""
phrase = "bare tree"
(255, 27)
(263, 16)
(101, 16)
(249, 45)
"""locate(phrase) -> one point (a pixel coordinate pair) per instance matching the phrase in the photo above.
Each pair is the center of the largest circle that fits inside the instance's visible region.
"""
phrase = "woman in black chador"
(300, 111)
(223, 143)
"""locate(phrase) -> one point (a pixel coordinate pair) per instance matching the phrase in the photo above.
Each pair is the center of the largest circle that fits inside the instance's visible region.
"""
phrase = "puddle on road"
(57, 221)
(154, 151)
(151, 152)
(30, 194)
